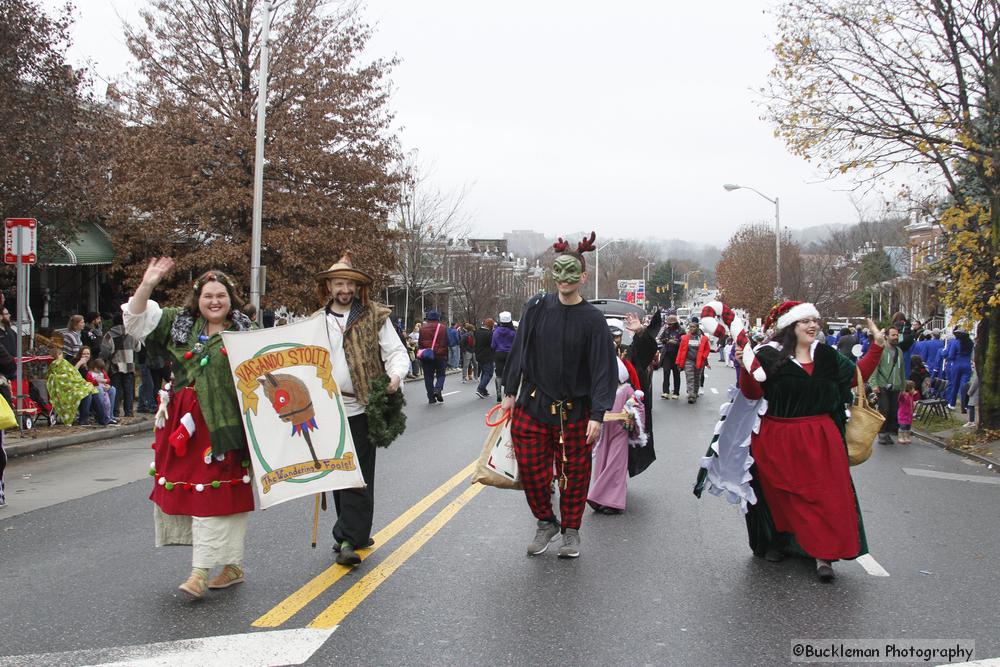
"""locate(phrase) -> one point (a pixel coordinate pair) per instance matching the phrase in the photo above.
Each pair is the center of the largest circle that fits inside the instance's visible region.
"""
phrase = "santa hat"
(789, 313)
(627, 373)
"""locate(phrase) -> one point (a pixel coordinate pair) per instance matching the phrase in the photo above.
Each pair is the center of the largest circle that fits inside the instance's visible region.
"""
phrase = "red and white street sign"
(21, 230)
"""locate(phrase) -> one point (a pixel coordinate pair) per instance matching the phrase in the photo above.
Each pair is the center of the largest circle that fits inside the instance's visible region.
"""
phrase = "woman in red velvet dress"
(806, 504)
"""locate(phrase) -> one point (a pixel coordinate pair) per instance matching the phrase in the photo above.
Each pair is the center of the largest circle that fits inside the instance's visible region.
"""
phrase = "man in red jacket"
(691, 356)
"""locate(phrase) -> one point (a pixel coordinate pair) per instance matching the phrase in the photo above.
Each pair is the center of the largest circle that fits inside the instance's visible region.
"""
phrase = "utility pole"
(258, 165)
(671, 284)
(777, 254)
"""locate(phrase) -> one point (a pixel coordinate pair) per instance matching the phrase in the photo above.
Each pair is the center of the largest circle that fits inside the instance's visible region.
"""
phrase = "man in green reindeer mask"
(560, 379)
(567, 269)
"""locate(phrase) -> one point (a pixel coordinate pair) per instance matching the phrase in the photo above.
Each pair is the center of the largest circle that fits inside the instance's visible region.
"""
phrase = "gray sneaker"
(571, 544)
(547, 531)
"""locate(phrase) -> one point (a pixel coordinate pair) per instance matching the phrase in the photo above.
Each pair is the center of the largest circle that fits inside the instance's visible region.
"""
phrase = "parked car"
(616, 309)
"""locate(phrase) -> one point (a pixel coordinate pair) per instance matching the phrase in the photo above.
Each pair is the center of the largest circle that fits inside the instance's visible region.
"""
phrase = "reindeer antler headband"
(585, 245)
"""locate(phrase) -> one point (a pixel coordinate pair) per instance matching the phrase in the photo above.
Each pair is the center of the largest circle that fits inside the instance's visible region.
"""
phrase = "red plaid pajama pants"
(536, 445)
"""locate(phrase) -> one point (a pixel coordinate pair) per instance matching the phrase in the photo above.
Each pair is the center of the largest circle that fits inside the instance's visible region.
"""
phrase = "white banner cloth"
(293, 414)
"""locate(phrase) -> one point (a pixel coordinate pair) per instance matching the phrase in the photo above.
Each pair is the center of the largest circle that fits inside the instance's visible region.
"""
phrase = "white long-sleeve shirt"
(140, 325)
(396, 359)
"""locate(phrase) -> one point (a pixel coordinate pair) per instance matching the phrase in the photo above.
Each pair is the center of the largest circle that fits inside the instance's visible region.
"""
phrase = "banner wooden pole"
(315, 526)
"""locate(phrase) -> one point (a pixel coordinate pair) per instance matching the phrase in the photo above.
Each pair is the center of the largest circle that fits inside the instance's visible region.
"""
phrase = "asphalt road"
(671, 581)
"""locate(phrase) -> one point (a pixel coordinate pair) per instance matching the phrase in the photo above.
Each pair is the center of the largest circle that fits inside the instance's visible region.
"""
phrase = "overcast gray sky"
(622, 117)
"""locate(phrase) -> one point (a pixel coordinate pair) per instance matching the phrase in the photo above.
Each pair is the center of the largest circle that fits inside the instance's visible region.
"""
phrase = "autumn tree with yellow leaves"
(867, 86)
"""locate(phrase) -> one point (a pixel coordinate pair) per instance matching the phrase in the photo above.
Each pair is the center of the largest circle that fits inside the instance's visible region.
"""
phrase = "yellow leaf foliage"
(969, 264)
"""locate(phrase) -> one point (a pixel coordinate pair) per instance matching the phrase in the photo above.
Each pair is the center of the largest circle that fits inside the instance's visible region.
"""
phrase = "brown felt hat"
(345, 269)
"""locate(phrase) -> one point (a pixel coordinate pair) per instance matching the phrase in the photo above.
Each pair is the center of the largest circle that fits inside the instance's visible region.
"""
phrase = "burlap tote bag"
(863, 426)
(497, 465)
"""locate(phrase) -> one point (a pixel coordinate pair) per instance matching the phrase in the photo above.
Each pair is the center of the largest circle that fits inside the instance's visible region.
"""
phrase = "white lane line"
(450, 393)
(872, 566)
(981, 479)
(988, 662)
(714, 390)
(251, 649)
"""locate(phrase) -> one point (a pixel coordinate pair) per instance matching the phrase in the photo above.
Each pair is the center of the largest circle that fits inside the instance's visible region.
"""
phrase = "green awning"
(91, 247)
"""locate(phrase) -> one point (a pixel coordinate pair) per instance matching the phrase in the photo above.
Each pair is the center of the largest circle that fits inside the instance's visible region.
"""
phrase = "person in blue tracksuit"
(919, 348)
(933, 356)
(959, 364)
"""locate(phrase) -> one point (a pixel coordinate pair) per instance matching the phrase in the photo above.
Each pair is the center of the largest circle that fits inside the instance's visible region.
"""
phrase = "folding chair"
(935, 403)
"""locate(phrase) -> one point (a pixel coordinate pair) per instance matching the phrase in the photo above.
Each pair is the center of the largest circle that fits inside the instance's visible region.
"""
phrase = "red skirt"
(803, 471)
(195, 483)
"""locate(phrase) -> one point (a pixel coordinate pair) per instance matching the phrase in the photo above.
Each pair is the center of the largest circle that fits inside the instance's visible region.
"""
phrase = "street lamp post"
(687, 283)
(647, 275)
(597, 267)
(729, 187)
(258, 164)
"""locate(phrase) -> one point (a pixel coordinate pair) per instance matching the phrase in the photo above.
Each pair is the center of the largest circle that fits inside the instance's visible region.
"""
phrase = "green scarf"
(212, 382)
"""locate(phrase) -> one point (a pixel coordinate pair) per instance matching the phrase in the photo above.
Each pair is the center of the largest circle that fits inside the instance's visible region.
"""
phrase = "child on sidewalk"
(98, 377)
(904, 413)
(973, 397)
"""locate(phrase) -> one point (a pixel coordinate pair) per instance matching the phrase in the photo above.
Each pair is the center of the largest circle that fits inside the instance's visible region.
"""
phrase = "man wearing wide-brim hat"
(670, 341)
(365, 348)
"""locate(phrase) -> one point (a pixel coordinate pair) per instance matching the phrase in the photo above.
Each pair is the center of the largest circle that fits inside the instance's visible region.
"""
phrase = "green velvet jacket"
(791, 392)
(212, 382)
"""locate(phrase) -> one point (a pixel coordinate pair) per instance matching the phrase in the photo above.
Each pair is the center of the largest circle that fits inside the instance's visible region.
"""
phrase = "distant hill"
(817, 233)
(524, 243)
(527, 243)
(704, 254)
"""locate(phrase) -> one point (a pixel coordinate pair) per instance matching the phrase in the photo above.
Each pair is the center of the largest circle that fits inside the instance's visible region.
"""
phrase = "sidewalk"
(987, 453)
(45, 438)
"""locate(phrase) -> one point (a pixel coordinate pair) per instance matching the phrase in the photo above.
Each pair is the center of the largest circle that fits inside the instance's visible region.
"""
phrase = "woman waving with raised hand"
(806, 503)
(202, 491)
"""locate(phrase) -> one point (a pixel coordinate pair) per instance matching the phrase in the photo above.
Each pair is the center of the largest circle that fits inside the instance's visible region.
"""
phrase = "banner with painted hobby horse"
(293, 414)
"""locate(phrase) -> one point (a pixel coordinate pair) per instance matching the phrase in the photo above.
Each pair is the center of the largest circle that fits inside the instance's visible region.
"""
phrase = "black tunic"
(562, 353)
(640, 354)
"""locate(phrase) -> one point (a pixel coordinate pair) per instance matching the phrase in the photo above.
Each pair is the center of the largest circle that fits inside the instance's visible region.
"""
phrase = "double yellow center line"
(346, 603)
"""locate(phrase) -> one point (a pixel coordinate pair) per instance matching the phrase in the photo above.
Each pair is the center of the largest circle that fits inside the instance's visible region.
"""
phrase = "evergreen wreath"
(386, 420)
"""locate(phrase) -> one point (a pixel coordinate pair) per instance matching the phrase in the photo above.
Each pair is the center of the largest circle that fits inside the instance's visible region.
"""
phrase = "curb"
(979, 458)
(36, 445)
(43, 444)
